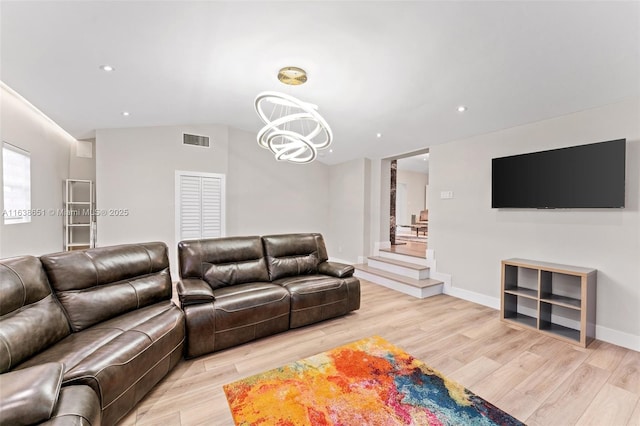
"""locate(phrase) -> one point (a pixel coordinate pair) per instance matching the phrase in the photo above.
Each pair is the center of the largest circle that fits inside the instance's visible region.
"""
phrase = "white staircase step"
(388, 254)
(417, 288)
(400, 267)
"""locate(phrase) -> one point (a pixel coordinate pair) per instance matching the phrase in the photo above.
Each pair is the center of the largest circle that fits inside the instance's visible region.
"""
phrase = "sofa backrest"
(31, 319)
(293, 254)
(98, 284)
(223, 262)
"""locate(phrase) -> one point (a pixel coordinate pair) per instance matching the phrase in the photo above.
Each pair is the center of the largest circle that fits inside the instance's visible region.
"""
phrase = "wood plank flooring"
(410, 249)
(538, 379)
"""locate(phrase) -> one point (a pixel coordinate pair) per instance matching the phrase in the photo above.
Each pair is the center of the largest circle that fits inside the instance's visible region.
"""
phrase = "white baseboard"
(616, 337)
(445, 278)
(384, 244)
(335, 259)
(380, 245)
(430, 255)
(472, 296)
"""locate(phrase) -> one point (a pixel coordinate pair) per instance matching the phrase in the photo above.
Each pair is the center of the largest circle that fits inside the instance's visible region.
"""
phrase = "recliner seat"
(319, 289)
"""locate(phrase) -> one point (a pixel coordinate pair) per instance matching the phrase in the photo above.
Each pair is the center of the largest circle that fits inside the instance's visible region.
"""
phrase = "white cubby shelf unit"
(79, 217)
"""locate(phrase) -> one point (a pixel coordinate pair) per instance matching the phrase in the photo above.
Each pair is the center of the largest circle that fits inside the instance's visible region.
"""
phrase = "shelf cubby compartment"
(560, 321)
(521, 281)
(520, 309)
(561, 289)
(558, 300)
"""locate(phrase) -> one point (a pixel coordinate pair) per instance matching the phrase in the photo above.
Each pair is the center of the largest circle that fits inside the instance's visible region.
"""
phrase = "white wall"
(349, 210)
(23, 126)
(265, 196)
(376, 192)
(82, 167)
(416, 183)
(135, 170)
(470, 238)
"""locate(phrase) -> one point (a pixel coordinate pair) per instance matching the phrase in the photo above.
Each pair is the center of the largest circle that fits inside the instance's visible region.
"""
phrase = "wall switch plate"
(446, 195)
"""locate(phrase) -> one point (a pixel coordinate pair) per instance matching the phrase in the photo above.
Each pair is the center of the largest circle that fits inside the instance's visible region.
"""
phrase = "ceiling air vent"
(196, 140)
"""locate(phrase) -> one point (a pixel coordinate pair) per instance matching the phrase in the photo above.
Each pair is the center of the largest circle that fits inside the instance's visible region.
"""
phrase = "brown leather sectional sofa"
(85, 335)
(234, 290)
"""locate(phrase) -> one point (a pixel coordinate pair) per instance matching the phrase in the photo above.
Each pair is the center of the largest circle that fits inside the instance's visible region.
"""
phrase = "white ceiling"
(399, 68)
(415, 163)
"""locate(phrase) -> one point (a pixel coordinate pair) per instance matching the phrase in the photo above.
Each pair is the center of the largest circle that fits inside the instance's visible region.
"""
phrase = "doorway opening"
(409, 203)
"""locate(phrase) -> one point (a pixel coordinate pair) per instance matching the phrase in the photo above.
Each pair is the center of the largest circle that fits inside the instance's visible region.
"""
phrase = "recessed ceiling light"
(107, 68)
(462, 108)
(378, 135)
(331, 150)
(424, 159)
(125, 113)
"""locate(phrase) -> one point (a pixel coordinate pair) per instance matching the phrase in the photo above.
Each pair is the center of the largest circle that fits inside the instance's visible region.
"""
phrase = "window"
(16, 177)
(199, 205)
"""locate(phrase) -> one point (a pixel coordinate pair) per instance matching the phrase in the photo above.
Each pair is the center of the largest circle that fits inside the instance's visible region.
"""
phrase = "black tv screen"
(584, 176)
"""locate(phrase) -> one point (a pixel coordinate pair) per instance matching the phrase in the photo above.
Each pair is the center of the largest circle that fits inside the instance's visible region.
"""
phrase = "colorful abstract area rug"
(368, 382)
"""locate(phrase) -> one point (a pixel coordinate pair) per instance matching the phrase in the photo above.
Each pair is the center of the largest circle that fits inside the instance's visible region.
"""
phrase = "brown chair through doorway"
(422, 224)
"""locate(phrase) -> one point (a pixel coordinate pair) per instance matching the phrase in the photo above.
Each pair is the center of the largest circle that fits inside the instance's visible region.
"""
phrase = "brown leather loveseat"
(85, 334)
(237, 289)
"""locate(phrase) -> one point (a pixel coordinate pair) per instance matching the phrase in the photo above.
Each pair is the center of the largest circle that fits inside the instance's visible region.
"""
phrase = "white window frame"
(16, 212)
(178, 217)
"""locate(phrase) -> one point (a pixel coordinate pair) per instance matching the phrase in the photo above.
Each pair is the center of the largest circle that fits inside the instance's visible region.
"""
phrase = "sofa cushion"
(315, 298)
(98, 284)
(223, 261)
(30, 318)
(245, 312)
(292, 254)
(113, 356)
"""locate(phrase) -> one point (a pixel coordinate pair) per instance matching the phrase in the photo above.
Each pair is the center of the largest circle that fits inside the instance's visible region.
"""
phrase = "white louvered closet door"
(199, 205)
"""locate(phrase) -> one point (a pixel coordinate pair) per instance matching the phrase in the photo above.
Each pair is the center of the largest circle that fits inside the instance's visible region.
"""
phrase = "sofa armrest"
(335, 269)
(192, 291)
(78, 405)
(29, 396)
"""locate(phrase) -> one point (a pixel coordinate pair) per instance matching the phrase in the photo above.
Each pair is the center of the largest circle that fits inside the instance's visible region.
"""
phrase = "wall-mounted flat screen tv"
(584, 176)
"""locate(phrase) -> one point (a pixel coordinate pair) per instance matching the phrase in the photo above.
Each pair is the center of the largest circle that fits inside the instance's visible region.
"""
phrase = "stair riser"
(400, 270)
(420, 293)
(404, 258)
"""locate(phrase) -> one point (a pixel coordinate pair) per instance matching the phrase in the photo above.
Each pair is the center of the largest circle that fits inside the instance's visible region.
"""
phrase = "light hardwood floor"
(410, 249)
(536, 378)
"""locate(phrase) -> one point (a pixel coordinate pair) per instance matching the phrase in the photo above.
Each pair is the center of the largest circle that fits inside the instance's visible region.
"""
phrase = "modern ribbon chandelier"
(294, 131)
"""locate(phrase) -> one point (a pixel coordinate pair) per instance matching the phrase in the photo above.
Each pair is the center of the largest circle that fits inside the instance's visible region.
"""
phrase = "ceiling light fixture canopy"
(294, 131)
(292, 76)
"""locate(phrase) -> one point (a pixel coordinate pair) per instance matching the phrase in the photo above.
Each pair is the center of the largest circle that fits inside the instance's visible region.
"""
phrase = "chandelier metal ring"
(289, 143)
